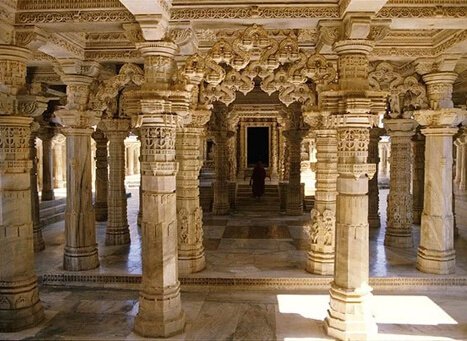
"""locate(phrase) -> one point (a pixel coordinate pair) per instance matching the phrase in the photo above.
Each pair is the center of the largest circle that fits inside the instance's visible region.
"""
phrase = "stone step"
(52, 211)
(53, 219)
(50, 203)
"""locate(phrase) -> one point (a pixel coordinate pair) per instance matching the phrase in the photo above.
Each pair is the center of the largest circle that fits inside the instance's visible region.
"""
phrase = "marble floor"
(80, 314)
(244, 244)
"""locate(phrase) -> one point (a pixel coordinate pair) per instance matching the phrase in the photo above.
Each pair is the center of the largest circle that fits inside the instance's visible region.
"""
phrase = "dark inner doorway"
(258, 146)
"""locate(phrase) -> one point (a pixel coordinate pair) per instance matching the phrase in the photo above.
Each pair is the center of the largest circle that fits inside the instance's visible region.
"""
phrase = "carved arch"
(130, 74)
(280, 66)
(404, 94)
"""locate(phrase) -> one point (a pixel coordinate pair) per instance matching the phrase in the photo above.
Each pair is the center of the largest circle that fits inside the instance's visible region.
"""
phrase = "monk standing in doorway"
(257, 178)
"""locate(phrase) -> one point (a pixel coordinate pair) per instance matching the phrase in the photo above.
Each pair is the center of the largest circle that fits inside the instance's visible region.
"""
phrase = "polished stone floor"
(80, 314)
(245, 244)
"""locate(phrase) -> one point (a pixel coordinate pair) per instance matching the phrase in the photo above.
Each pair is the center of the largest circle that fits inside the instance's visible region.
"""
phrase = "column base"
(160, 315)
(101, 211)
(191, 262)
(349, 316)
(47, 195)
(374, 221)
(436, 262)
(79, 259)
(320, 262)
(20, 307)
(118, 237)
(220, 209)
(398, 238)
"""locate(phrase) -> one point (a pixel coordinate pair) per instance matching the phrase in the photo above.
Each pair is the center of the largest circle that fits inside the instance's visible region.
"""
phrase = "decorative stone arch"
(404, 94)
(281, 66)
(130, 74)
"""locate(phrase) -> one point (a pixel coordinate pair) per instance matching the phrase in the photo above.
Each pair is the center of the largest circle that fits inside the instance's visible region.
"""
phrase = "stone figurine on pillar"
(320, 258)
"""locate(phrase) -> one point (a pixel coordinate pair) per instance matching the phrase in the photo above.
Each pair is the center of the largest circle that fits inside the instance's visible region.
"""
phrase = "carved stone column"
(39, 244)
(418, 182)
(323, 216)
(102, 175)
(242, 161)
(353, 111)
(117, 232)
(436, 252)
(160, 311)
(294, 204)
(373, 190)
(20, 307)
(220, 127)
(399, 212)
(191, 256)
(80, 230)
(221, 204)
(130, 160)
(46, 135)
(463, 161)
(57, 146)
(274, 173)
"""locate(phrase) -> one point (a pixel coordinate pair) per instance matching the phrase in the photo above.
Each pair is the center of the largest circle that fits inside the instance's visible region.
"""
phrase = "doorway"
(257, 146)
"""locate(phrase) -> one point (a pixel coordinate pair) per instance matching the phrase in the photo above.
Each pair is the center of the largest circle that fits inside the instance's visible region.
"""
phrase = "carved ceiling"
(98, 30)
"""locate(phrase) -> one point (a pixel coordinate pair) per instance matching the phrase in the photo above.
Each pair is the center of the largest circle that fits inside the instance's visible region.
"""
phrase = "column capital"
(400, 126)
(13, 60)
(77, 119)
(115, 128)
(440, 118)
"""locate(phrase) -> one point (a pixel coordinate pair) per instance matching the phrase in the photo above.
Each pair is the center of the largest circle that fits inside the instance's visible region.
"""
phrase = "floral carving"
(182, 221)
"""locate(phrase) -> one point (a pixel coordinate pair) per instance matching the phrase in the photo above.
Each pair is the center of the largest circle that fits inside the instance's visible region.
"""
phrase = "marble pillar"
(374, 219)
(130, 155)
(39, 243)
(20, 307)
(399, 210)
(59, 164)
(191, 256)
(117, 231)
(418, 180)
(102, 175)
(436, 252)
(221, 204)
(46, 135)
(320, 258)
(350, 316)
(274, 162)
(80, 230)
(294, 139)
(160, 311)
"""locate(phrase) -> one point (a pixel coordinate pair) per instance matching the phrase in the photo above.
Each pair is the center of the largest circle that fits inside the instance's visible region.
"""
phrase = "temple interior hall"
(233, 170)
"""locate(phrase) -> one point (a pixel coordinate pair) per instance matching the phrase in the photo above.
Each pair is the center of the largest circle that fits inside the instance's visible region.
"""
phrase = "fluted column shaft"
(20, 307)
(373, 190)
(399, 211)
(80, 231)
(47, 165)
(39, 244)
(117, 231)
(102, 176)
(191, 256)
(294, 204)
(418, 183)
(320, 258)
